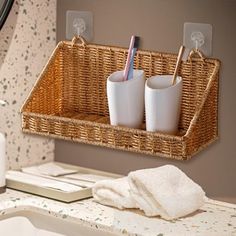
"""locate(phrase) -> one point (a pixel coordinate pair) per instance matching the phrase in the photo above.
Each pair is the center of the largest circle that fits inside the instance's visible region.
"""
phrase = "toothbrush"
(127, 65)
(131, 69)
(179, 58)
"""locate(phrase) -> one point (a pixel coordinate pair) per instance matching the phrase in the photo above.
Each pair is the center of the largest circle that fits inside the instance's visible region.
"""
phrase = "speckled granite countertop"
(214, 218)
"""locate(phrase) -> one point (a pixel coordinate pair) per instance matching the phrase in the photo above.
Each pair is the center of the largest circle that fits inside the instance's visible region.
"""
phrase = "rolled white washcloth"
(165, 191)
(113, 193)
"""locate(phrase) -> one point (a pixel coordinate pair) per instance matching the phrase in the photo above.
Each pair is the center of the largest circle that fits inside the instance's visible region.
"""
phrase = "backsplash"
(26, 42)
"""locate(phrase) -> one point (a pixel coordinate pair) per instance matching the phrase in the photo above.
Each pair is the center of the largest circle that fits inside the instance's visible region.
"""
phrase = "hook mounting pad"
(200, 34)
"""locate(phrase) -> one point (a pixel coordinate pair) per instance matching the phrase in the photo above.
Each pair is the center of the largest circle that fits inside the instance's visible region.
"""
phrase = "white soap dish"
(74, 182)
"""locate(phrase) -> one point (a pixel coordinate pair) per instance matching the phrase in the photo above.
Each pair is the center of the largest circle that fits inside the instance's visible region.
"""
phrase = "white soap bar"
(50, 169)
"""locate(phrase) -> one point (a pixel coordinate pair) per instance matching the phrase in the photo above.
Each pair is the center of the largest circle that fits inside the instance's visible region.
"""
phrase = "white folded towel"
(113, 193)
(165, 191)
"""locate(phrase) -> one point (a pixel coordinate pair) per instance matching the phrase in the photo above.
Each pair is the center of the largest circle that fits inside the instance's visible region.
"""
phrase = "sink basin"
(30, 223)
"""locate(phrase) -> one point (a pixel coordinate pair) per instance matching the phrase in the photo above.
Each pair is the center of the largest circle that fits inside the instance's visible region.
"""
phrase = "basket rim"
(139, 51)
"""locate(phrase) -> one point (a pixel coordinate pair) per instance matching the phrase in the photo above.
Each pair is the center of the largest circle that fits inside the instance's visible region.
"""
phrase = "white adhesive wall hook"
(198, 39)
(79, 26)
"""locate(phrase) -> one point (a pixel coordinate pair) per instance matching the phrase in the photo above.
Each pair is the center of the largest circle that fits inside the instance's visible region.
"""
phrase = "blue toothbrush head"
(136, 42)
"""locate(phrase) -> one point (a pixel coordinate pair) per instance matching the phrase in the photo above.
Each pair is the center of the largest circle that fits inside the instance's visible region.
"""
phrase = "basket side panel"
(46, 96)
(205, 130)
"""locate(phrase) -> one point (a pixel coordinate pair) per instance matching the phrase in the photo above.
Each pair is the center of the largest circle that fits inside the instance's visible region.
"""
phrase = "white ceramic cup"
(163, 103)
(126, 99)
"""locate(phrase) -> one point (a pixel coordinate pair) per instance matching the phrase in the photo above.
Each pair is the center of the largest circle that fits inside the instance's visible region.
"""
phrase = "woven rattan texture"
(69, 100)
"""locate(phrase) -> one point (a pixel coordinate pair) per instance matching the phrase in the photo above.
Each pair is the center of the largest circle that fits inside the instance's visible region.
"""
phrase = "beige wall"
(160, 24)
(26, 42)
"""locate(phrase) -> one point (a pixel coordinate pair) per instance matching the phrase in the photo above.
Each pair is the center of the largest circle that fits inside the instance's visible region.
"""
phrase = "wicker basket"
(69, 100)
